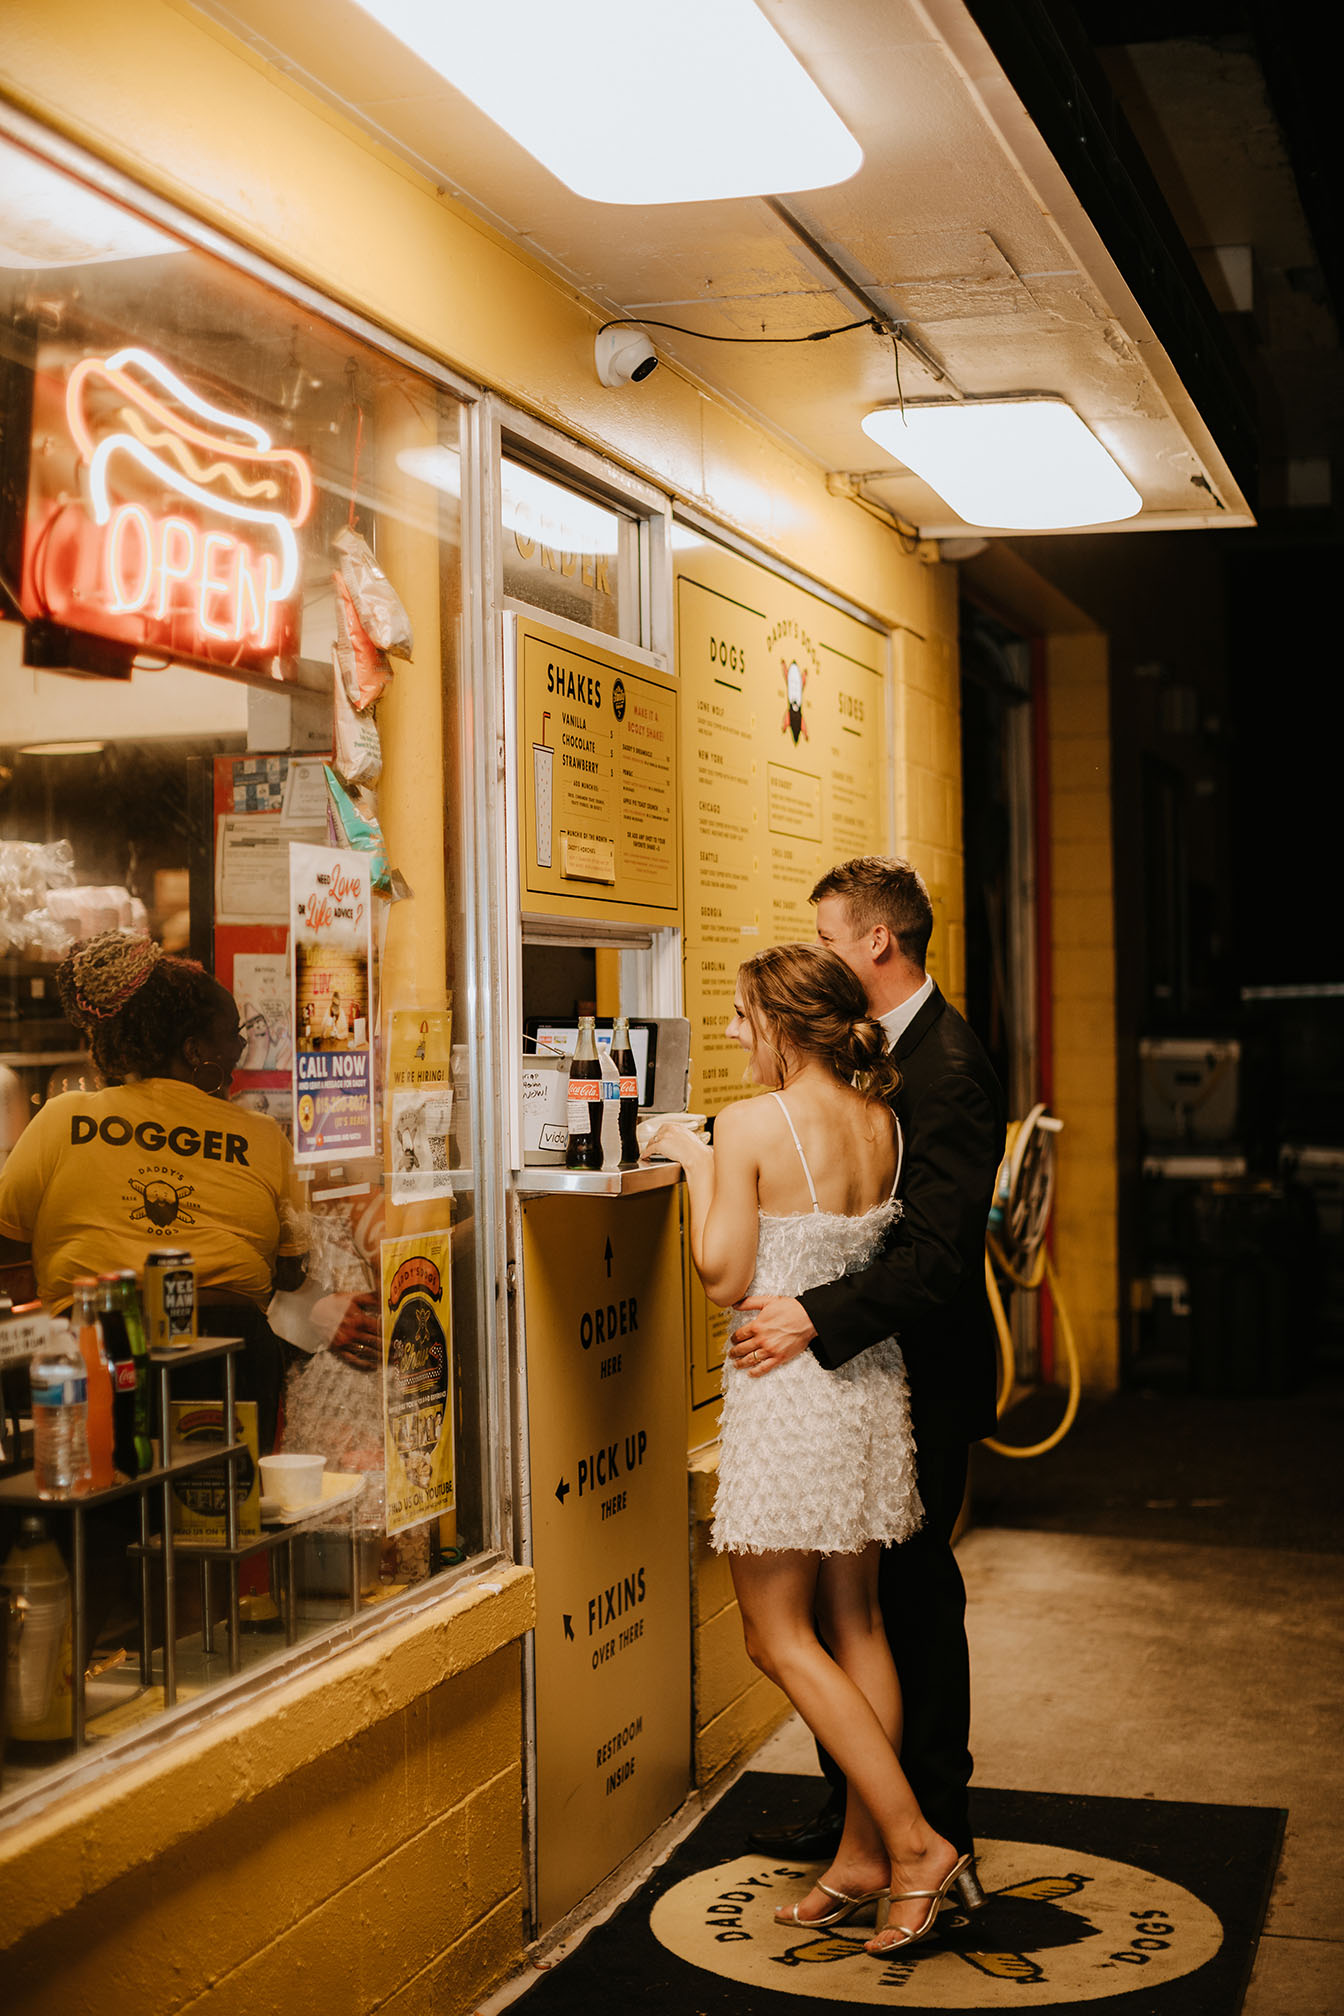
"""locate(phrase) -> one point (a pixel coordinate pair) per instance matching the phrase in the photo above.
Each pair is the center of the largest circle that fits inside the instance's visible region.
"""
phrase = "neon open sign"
(182, 534)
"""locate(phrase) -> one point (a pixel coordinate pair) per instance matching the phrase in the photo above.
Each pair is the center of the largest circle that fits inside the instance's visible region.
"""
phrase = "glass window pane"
(566, 553)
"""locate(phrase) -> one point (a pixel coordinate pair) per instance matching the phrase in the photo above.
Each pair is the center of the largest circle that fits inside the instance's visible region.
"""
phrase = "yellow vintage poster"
(598, 766)
(784, 752)
(417, 1378)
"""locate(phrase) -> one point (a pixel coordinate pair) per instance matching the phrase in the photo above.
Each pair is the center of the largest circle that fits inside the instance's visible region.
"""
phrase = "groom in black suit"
(927, 1288)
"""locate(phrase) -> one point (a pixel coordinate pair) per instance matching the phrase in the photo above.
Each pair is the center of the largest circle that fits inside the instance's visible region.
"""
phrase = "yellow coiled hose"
(1041, 1268)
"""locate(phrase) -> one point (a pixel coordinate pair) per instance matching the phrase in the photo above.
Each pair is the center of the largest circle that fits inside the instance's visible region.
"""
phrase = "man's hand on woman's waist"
(779, 1329)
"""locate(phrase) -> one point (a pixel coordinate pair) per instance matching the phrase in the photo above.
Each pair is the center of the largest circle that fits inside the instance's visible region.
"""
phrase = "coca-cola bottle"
(584, 1113)
(128, 1354)
(623, 1057)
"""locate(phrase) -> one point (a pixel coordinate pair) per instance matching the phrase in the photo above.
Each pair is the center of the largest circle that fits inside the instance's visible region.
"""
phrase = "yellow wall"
(1083, 955)
(357, 1847)
(734, 1706)
(928, 771)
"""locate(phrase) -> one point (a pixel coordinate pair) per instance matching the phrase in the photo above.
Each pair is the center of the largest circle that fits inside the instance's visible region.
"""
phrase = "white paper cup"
(292, 1480)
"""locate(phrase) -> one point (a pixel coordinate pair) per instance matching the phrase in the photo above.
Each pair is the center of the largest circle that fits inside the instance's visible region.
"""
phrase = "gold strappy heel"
(903, 1935)
(845, 1907)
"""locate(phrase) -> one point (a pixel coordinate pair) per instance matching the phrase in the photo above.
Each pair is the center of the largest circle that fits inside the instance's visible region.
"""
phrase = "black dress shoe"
(814, 1840)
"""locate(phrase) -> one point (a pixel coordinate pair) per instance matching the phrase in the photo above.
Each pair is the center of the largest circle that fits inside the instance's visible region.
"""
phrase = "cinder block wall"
(350, 1846)
(735, 1707)
(927, 739)
(1083, 956)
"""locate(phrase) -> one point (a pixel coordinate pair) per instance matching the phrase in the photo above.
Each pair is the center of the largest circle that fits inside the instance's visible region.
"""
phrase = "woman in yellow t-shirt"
(159, 1158)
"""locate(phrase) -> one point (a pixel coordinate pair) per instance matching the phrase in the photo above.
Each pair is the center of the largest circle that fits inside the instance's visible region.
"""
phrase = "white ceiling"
(959, 224)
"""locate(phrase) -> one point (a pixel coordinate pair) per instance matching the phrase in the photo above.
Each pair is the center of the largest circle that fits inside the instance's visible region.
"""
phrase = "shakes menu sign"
(599, 767)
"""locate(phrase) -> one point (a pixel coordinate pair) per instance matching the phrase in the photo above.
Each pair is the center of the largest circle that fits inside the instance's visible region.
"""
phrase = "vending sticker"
(417, 1378)
(420, 1103)
(331, 906)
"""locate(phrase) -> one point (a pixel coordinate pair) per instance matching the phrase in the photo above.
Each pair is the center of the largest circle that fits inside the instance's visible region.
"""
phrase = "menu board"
(783, 749)
(599, 782)
(783, 738)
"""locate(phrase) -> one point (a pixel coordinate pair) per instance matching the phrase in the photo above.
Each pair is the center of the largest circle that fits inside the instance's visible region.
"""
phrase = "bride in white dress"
(817, 1468)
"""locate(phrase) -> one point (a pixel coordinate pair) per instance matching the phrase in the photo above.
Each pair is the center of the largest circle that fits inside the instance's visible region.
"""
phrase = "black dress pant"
(923, 1602)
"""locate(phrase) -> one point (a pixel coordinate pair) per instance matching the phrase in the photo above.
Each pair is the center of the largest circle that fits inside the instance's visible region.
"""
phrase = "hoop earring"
(211, 1091)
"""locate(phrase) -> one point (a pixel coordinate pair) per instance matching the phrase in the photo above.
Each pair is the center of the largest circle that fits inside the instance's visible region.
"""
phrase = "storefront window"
(566, 553)
(234, 730)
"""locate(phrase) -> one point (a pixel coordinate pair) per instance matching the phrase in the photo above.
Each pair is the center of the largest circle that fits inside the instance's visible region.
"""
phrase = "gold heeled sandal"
(845, 1907)
(904, 1935)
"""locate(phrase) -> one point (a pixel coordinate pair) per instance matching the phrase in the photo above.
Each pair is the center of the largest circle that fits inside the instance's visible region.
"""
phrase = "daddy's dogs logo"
(158, 1194)
(1061, 1928)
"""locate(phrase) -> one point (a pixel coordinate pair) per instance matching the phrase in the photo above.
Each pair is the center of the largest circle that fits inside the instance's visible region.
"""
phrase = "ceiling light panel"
(636, 104)
(1009, 465)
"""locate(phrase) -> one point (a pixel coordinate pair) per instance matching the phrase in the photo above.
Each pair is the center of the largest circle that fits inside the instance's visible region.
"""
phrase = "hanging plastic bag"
(364, 669)
(377, 602)
(359, 751)
(352, 821)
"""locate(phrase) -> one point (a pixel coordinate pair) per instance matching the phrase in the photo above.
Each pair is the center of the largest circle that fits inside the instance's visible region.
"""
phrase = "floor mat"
(1147, 1907)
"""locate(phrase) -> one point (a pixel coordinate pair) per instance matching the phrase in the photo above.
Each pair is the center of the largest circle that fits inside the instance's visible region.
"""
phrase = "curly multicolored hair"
(136, 1004)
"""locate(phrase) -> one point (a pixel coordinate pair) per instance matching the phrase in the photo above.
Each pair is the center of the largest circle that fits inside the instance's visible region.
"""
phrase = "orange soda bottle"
(89, 1331)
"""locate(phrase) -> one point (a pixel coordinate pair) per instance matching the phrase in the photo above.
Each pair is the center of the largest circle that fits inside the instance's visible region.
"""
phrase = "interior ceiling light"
(637, 104)
(1011, 465)
(61, 748)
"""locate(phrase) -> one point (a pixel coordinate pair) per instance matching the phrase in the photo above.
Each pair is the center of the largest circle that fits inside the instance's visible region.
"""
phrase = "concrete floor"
(1159, 1670)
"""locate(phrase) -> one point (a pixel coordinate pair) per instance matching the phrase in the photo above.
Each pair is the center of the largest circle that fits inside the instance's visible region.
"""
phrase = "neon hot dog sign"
(184, 537)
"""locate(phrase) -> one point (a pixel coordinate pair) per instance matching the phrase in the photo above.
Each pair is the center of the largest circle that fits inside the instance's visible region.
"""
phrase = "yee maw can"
(170, 1299)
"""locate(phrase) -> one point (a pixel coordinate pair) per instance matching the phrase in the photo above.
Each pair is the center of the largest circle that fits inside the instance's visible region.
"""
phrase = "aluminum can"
(170, 1298)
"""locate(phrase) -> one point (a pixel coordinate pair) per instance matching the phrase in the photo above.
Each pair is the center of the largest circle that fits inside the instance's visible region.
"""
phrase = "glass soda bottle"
(60, 1400)
(128, 1353)
(38, 1683)
(584, 1112)
(89, 1331)
(623, 1057)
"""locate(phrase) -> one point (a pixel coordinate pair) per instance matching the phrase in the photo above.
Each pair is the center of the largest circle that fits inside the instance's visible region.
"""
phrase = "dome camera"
(624, 355)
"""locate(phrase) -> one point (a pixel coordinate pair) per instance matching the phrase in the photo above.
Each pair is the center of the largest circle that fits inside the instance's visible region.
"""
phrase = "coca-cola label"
(630, 1088)
(123, 1375)
(585, 1088)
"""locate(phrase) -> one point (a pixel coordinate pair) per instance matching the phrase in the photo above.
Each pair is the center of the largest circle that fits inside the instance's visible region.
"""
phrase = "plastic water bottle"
(60, 1399)
(38, 1684)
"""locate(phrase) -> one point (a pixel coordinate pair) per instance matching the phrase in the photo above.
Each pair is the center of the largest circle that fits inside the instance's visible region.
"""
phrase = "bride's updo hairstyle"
(804, 999)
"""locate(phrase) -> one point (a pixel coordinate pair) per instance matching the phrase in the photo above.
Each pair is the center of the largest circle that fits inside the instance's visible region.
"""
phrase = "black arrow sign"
(608, 1259)
(569, 1628)
(562, 1490)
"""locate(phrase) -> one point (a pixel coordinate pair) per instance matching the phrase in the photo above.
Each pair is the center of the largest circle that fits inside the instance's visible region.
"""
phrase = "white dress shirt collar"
(897, 1020)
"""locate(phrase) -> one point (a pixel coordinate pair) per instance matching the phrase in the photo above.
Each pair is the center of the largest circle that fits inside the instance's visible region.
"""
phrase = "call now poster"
(331, 906)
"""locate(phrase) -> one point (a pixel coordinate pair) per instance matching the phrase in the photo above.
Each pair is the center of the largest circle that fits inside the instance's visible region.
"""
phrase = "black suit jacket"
(928, 1284)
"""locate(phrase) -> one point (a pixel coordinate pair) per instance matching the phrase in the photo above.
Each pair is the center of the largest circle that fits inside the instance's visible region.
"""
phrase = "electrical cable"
(878, 327)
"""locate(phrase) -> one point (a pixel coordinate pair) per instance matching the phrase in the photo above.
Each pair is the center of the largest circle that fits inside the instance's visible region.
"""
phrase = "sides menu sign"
(606, 1387)
(598, 780)
(784, 743)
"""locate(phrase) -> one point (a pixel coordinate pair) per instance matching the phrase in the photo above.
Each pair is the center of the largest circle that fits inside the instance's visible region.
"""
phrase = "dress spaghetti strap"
(811, 1186)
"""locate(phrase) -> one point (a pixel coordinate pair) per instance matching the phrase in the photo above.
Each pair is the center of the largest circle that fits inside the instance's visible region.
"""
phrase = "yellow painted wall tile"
(494, 1817)
(469, 1732)
(412, 1907)
(1080, 923)
(722, 1668)
(1081, 763)
(454, 1983)
(1079, 707)
(1082, 868)
(739, 1729)
(711, 1578)
(1088, 973)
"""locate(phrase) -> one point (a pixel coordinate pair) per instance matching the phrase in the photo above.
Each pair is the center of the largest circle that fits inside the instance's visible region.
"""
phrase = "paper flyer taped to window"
(417, 1378)
(419, 1092)
(331, 907)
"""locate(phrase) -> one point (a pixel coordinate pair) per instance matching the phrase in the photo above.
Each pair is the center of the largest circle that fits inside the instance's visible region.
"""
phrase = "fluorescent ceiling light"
(636, 103)
(61, 748)
(1012, 465)
(47, 219)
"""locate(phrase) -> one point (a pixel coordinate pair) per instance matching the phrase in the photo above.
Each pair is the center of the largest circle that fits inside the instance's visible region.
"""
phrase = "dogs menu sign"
(159, 516)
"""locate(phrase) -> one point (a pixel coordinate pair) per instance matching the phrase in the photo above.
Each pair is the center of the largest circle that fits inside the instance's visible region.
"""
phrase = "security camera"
(624, 355)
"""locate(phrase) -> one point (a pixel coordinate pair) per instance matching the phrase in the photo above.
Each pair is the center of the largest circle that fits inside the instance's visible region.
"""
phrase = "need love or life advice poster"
(331, 907)
(417, 1378)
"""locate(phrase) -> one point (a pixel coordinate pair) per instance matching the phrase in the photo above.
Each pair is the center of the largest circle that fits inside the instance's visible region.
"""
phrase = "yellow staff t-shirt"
(98, 1180)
